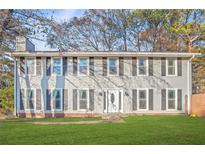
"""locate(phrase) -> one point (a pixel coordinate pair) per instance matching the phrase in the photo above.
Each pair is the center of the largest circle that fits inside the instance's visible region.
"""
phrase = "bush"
(7, 99)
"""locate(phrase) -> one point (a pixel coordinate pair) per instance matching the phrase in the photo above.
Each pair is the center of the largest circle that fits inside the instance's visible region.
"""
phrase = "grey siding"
(151, 98)
(150, 66)
(91, 64)
(104, 66)
(38, 99)
(134, 66)
(163, 99)
(75, 99)
(38, 66)
(91, 96)
(179, 66)
(163, 66)
(179, 99)
(121, 66)
(65, 99)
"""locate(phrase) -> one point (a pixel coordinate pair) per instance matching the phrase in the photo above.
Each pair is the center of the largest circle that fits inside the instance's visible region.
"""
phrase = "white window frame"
(175, 61)
(52, 99)
(26, 99)
(78, 99)
(61, 66)
(147, 99)
(88, 67)
(146, 66)
(176, 101)
(108, 67)
(26, 71)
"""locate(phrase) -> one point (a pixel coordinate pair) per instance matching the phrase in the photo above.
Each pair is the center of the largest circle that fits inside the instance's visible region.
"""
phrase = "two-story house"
(55, 84)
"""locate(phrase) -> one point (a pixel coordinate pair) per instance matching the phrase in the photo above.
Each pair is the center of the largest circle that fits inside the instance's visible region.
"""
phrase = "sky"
(59, 15)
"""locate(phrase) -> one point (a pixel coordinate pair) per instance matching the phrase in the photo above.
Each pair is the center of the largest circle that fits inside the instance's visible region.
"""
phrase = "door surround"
(106, 99)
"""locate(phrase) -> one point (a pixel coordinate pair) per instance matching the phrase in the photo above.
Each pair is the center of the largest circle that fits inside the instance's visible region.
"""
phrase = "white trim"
(147, 99)
(78, 101)
(117, 65)
(176, 66)
(34, 65)
(146, 66)
(61, 66)
(176, 100)
(78, 66)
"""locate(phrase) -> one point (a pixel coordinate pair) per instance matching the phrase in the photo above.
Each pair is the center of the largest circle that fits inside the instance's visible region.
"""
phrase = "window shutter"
(91, 96)
(38, 66)
(120, 101)
(75, 98)
(179, 99)
(179, 66)
(163, 99)
(22, 66)
(65, 99)
(151, 97)
(65, 65)
(121, 66)
(22, 99)
(104, 100)
(48, 99)
(48, 66)
(150, 67)
(75, 65)
(91, 67)
(134, 99)
(104, 66)
(38, 99)
(134, 66)
(163, 66)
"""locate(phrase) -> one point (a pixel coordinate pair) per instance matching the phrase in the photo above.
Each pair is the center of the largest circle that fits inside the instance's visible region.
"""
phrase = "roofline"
(101, 54)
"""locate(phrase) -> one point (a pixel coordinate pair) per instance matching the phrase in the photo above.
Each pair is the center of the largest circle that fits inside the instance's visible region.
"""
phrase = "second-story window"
(83, 66)
(142, 66)
(171, 67)
(30, 62)
(112, 66)
(57, 66)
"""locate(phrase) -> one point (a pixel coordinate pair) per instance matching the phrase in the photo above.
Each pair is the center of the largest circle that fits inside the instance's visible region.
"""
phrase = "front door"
(113, 101)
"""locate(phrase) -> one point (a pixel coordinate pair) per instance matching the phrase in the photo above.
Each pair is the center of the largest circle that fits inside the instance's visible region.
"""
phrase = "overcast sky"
(59, 15)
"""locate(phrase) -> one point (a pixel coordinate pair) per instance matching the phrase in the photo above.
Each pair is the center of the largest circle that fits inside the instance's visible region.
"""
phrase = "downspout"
(189, 84)
(15, 90)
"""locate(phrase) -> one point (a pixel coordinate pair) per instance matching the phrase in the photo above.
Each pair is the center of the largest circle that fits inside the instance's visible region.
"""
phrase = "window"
(83, 99)
(57, 66)
(83, 66)
(30, 66)
(143, 99)
(142, 66)
(171, 67)
(112, 66)
(57, 99)
(30, 99)
(171, 99)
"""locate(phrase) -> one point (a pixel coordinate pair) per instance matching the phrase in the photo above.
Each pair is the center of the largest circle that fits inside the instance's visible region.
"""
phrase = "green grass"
(135, 130)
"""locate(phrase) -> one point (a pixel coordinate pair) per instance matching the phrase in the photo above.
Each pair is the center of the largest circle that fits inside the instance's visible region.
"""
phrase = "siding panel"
(22, 66)
(75, 66)
(22, 99)
(38, 66)
(65, 66)
(48, 66)
(48, 99)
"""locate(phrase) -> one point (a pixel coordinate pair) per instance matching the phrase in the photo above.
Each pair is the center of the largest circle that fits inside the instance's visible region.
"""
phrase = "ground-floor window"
(83, 99)
(57, 99)
(171, 99)
(142, 99)
(30, 99)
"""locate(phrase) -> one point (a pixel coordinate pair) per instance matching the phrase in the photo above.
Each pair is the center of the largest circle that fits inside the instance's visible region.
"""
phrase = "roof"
(101, 54)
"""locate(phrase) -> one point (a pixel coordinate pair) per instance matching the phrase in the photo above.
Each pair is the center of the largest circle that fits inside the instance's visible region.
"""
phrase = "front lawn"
(135, 130)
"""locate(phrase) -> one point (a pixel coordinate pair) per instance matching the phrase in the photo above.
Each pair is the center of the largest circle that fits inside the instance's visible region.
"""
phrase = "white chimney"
(24, 44)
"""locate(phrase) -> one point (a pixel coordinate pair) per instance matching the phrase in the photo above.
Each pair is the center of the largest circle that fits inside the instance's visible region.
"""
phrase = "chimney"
(24, 44)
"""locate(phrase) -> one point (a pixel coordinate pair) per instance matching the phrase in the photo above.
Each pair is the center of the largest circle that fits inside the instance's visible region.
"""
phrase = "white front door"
(113, 101)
